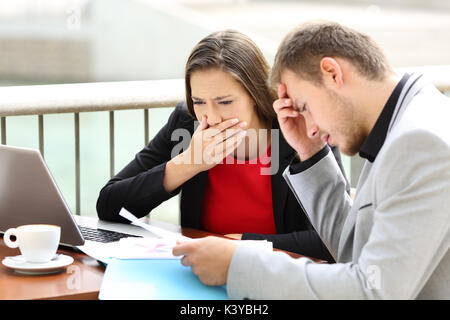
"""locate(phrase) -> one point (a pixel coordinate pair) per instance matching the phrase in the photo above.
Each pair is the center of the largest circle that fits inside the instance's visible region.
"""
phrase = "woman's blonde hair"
(234, 53)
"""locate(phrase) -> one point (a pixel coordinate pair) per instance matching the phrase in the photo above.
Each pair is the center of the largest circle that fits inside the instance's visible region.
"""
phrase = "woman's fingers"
(232, 143)
(282, 92)
(204, 124)
(226, 135)
(217, 152)
(223, 126)
(212, 144)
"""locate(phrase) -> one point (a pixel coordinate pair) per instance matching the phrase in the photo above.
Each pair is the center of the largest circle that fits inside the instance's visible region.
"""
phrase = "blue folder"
(155, 279)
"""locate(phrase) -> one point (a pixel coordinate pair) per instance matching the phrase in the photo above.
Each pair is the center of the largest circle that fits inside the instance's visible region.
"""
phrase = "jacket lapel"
(192, 200)
(192, 194)
(279, 186)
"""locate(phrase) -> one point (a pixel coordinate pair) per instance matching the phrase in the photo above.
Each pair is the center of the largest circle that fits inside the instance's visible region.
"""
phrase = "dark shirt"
(375, 140)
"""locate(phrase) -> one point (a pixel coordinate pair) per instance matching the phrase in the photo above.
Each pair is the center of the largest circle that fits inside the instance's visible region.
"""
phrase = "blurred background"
(74, 41)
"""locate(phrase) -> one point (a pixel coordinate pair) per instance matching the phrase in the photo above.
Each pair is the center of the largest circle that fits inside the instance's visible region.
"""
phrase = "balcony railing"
(87, 97)
(112, 96)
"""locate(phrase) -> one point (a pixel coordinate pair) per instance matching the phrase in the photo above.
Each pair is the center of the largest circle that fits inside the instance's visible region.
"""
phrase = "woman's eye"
(198, 102)
(226, 102)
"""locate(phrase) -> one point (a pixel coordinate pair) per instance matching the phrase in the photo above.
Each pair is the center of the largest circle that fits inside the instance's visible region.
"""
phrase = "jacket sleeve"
(139, 186)
(337, 156)
(407, 244)
(307, 242)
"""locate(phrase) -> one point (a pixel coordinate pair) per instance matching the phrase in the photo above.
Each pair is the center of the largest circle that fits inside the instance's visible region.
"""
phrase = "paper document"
(98, 250)
(130, 248)
(146, 248)
(158, 248)
(159, 232)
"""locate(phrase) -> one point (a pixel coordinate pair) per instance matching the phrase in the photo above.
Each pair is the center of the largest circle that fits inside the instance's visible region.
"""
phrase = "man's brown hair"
(236, 54)
(302, 49)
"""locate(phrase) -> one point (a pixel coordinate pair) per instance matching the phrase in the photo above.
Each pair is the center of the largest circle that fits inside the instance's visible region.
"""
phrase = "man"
(335, 86)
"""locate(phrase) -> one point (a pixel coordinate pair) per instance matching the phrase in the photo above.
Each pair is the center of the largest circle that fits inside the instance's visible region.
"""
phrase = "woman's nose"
(213, 116)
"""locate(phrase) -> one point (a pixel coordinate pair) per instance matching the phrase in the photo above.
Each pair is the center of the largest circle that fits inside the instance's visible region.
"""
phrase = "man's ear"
(331, 71)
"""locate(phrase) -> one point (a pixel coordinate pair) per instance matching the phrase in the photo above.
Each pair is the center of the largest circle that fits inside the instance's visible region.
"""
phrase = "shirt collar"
(377, 135)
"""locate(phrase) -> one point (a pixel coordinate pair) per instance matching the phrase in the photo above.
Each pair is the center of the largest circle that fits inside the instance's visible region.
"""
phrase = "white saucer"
(19, 265)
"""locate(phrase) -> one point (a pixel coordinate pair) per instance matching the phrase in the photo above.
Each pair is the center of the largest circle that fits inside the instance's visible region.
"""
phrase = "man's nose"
(312, 130)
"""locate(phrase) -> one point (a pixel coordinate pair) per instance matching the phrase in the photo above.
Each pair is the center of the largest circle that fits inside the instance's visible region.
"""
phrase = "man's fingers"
(287, 113)
(185, 261)
(183, 248)
(282, 103)
(283, 100)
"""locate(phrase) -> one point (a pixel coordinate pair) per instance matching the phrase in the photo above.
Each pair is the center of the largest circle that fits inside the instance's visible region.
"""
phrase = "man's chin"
(348, 151)
(350, 154)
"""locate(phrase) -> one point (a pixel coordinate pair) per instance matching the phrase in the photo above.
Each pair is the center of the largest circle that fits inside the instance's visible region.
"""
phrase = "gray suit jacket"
(392, 241)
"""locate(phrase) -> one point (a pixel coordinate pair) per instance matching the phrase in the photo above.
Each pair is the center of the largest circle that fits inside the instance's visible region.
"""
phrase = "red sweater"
(238, 198)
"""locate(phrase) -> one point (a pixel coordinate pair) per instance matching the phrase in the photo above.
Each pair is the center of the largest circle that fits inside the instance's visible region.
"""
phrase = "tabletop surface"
(80, 280)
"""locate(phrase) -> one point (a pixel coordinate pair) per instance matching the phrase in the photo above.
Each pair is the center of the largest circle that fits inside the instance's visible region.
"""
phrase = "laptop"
(29, 195)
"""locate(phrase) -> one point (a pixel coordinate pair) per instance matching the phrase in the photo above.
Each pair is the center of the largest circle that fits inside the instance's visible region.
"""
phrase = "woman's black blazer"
(139, 188)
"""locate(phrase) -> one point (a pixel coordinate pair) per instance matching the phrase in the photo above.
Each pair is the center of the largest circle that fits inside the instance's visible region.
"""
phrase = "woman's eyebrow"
(215, 99)
(222, 97)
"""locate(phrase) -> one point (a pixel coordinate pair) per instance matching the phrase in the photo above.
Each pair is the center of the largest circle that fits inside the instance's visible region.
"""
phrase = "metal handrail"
(123, 95)
(88, 97)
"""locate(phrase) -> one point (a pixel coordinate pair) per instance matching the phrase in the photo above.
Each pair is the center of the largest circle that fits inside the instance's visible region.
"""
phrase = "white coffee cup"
(37, 242)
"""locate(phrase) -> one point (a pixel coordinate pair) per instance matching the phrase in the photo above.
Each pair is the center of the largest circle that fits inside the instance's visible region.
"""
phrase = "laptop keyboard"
(101, 235)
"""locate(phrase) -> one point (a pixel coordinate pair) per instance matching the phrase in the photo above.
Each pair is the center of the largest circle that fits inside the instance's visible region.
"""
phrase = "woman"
(221, 173)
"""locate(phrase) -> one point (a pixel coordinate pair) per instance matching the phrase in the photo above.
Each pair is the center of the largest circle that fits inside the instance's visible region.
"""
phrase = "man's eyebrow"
(299, 105)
